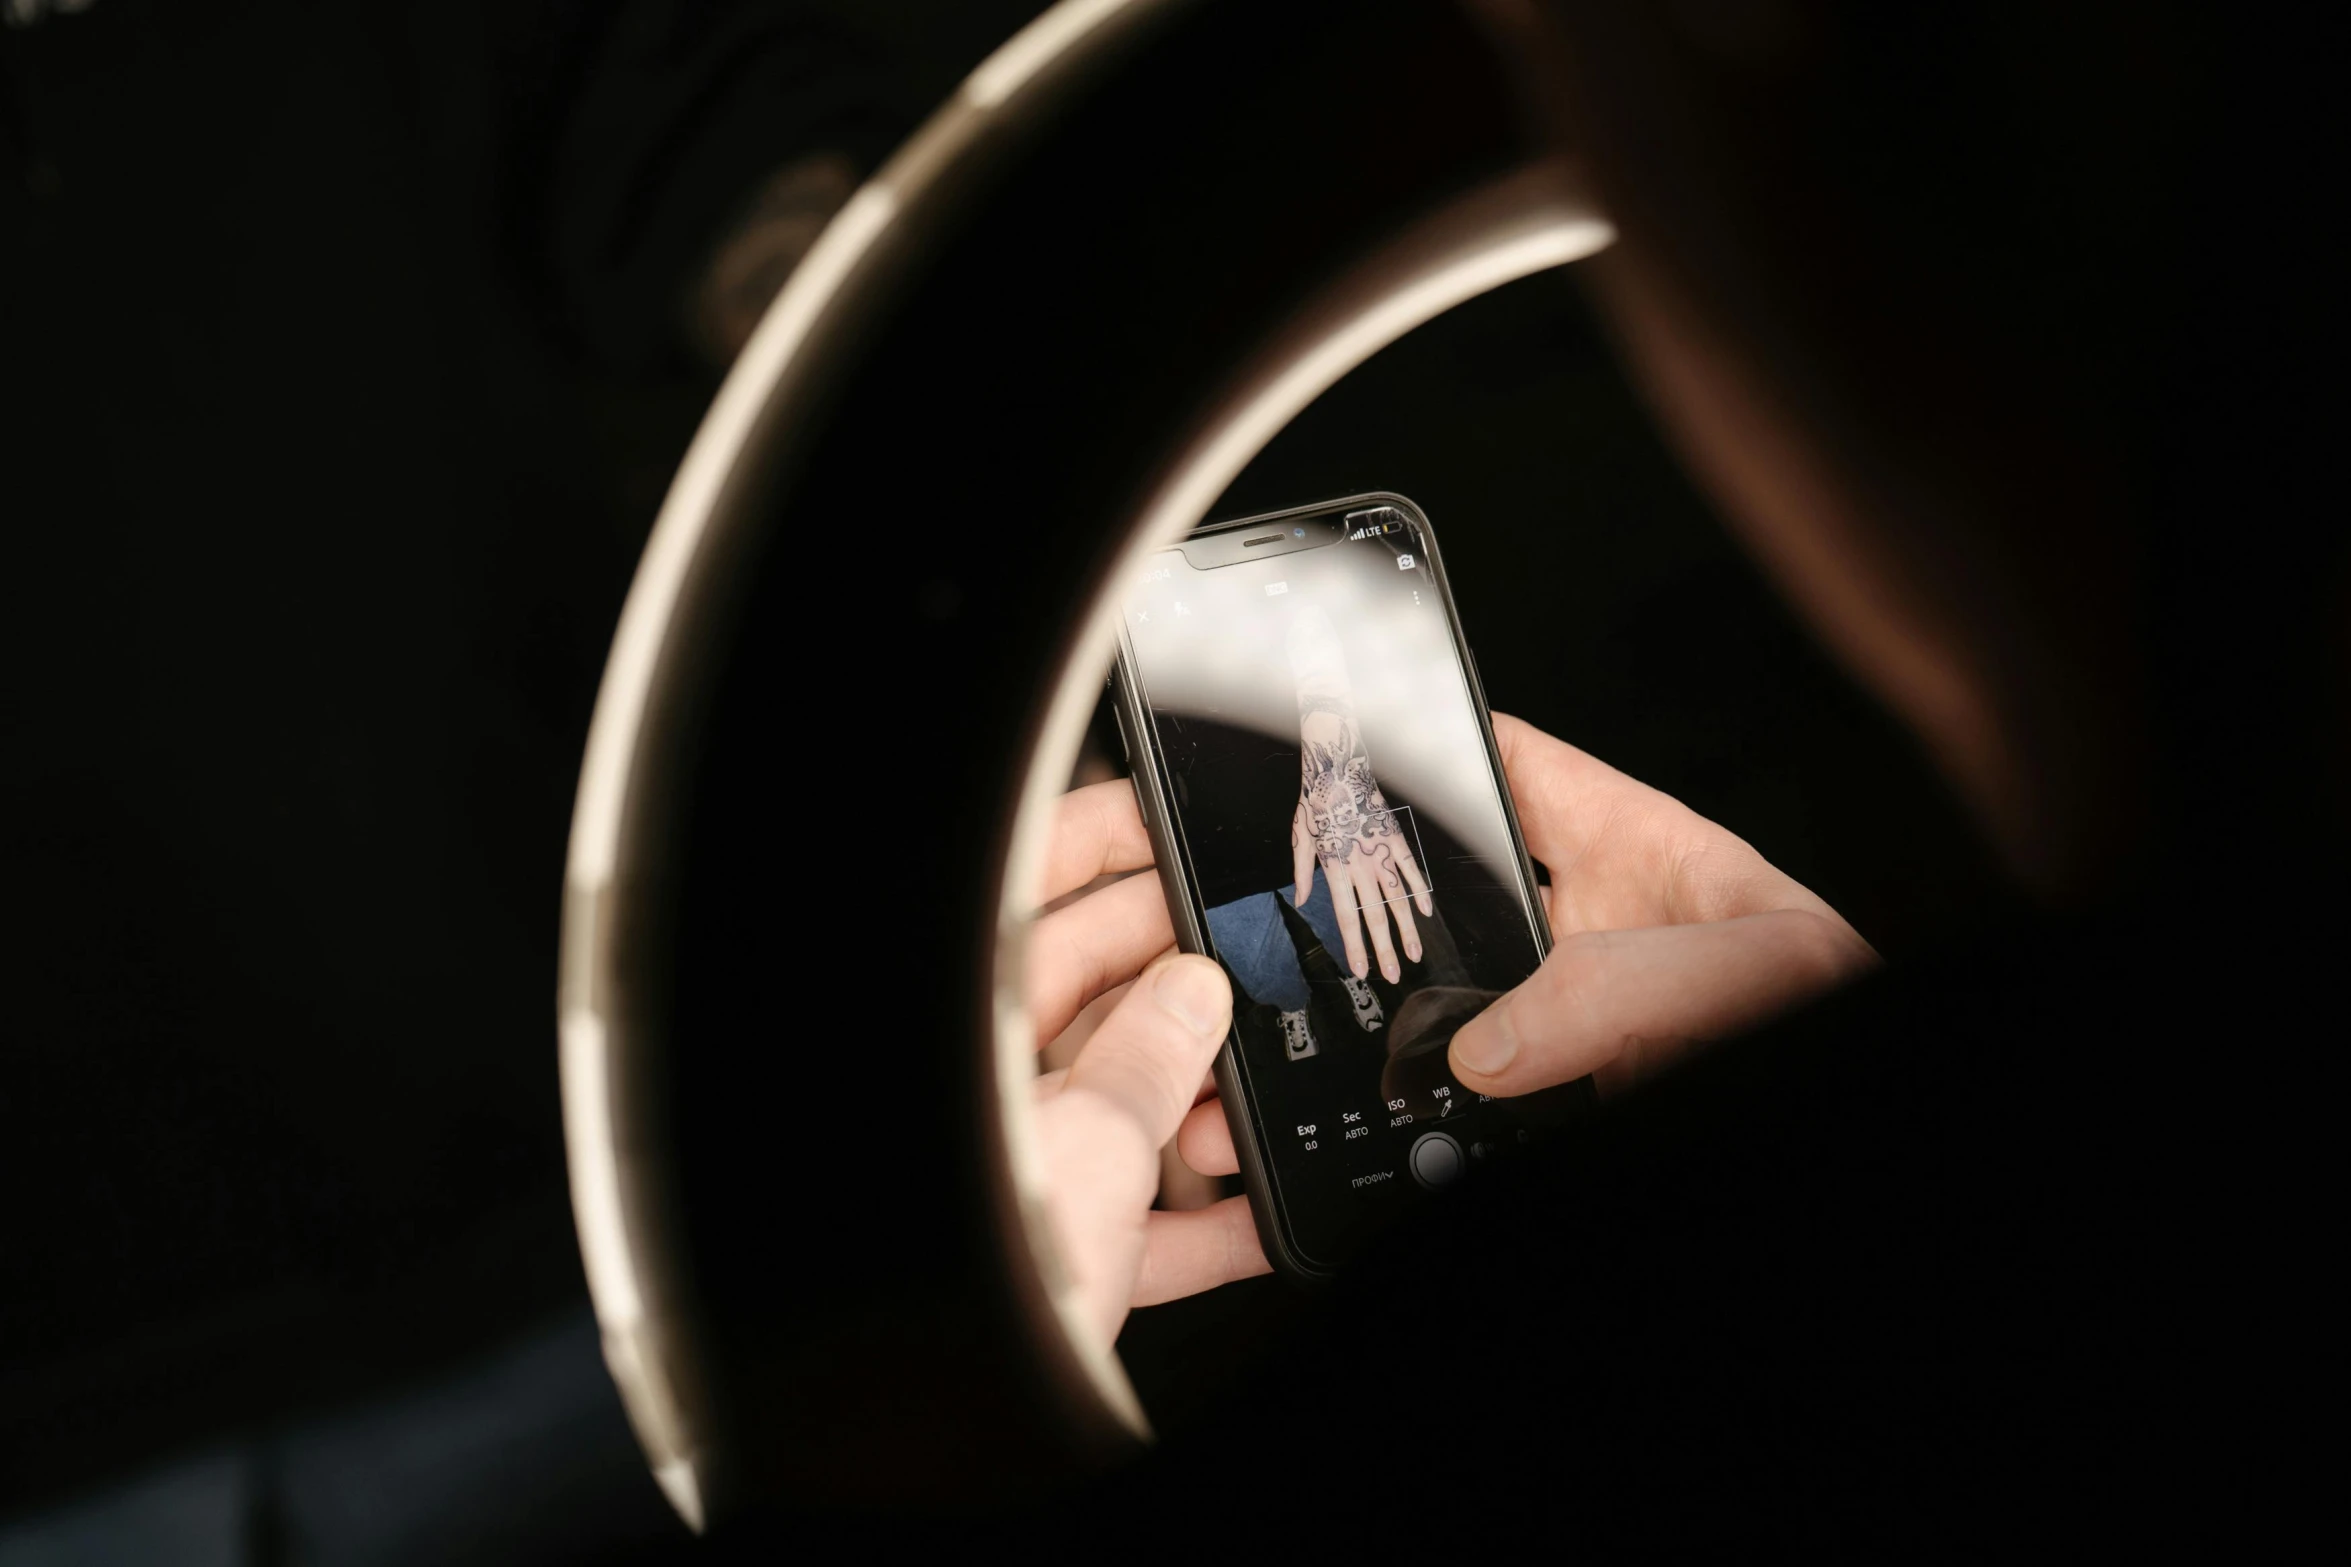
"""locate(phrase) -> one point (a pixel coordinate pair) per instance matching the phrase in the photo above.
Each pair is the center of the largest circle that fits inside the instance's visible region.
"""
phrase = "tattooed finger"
(1399, 905)
(1343, 905)
(1375, 918)
(1413, 878)
(1383, 858)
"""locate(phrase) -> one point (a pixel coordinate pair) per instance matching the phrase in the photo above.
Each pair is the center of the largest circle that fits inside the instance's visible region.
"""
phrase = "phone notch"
(1264, 537)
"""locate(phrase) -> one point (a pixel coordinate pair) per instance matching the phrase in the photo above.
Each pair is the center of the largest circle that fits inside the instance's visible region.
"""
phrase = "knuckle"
(1714, 876)
(1827, 952)
(1096, 1129)
(1241, 1254)
(1130, 1096)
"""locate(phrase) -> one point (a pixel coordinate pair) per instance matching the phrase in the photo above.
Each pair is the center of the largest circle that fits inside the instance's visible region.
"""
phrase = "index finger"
(1097, 831)
(1560, 791)
(1654, 860)
(1102, 940)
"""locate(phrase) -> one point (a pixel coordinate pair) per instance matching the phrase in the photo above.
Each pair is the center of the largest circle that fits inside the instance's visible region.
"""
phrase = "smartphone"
(1314, 759)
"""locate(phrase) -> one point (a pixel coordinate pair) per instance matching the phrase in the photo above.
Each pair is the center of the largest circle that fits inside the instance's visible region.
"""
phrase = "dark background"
(344, 354)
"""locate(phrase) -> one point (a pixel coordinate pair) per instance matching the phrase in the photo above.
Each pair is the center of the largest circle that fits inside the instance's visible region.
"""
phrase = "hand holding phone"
(1291, 653)
(1325, 640)
(1671, 931)
(1097, 979)
(1646, 870)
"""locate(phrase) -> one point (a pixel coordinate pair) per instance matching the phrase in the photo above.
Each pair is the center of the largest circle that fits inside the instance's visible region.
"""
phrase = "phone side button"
(1435, 1159)
(1143, 804)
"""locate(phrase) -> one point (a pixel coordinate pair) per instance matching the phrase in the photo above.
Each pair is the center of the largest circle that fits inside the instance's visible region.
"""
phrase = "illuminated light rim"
(1546, 233)
(611, 1254)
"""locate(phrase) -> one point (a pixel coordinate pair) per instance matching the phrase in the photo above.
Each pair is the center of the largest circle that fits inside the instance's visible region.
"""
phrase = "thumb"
(1624, 1002)
(1149, 1055)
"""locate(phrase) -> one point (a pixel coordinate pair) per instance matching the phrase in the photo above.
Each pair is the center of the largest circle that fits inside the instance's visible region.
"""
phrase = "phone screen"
(1342, 830)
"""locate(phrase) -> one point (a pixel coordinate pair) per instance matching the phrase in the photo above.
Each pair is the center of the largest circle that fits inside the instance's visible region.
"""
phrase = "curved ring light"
(1523, 223)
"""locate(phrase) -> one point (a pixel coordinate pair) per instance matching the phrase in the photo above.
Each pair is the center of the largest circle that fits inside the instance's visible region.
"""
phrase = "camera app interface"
(1345, 832)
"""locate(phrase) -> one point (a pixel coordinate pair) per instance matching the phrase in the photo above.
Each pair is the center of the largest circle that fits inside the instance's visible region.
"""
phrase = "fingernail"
(1193, 990)
(1487, 1044)
(1362, 968)
(1412, 951)
(1389, 968)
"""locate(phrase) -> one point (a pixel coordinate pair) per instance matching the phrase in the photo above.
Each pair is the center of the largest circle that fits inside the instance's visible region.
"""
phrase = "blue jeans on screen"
(1254, 944)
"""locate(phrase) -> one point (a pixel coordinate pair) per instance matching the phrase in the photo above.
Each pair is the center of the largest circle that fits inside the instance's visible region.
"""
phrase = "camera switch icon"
(1404, 563)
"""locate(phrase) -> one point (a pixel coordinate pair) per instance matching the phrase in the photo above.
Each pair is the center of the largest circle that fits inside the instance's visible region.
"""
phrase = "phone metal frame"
(1177, 879)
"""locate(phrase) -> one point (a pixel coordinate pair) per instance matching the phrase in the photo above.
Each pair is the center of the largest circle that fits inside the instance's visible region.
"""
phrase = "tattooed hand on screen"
(1343, 822)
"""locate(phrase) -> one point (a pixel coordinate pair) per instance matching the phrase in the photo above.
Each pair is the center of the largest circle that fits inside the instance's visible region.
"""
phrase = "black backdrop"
(338, 390)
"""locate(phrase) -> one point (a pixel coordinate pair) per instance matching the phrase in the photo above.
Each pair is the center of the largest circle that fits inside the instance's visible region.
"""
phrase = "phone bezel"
(1266, 1201)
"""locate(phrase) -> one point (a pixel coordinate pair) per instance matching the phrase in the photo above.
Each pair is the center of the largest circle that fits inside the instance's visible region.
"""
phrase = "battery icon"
(1373, 521)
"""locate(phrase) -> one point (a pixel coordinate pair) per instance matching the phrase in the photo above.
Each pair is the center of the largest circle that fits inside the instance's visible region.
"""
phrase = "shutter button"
(1435, 1159)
